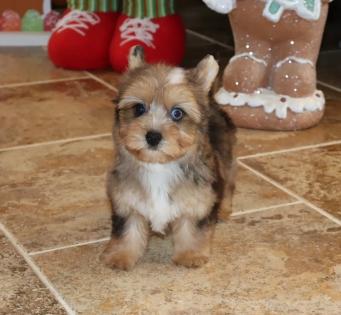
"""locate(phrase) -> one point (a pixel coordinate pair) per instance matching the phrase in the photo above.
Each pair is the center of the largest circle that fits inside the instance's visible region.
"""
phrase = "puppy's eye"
(177, 113)
(139, 109)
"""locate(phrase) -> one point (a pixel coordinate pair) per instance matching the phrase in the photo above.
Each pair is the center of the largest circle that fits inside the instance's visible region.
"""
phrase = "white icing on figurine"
(296, 59)
(221, 6)
(306, 9)
(249, 55)
(272, 102)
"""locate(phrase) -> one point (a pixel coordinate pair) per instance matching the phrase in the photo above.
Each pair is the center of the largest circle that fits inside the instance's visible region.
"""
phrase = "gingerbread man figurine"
(270, 83)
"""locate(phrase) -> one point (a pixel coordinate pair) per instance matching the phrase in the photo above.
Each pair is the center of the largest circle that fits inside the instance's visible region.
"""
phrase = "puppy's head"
(162, 110)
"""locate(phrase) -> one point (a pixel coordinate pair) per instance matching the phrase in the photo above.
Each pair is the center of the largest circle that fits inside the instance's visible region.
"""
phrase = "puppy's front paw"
(190, 259)
(120, 259)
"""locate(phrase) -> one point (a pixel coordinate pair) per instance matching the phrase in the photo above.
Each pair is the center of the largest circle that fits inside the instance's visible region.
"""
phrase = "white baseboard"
(24, 38)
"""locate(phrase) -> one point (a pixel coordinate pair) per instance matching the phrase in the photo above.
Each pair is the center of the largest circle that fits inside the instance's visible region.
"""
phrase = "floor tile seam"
(59, 248)
(300, 148)
(101, 81)
(105, 239)
(330, 50)
(41, 82)
(289, 192)
(329, 86)
(53, 142)
(36, 270)
(209, 39)
(230, 47)
(265, 209)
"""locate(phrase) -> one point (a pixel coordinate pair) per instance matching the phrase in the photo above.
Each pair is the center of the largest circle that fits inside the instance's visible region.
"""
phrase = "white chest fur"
(158, 181)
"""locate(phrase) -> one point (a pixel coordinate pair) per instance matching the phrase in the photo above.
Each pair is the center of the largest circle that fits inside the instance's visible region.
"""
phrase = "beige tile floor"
(279, 254)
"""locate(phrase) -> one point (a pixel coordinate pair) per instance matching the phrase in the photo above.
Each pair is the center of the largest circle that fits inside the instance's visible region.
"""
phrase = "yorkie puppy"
(173, 163)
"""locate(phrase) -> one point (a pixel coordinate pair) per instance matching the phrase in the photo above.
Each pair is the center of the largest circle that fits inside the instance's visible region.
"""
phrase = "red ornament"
(51, 20)
(1, 22)
(10, 21)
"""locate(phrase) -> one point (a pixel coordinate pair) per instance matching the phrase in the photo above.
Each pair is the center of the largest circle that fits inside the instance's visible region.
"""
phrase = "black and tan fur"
(191, 171)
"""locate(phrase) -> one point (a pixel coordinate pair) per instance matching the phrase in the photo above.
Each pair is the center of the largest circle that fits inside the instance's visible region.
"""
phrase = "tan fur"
(191, 246)
(152, 89)
(181, 96)
(181, 183)
(124, 252)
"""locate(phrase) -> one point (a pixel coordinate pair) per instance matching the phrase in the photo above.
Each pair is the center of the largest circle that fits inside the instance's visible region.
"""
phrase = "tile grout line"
(264, 209)
(291, 193)
(330, 86)
(102, 135)
(330, 50)
(45, 251)
(106, 84)
(306, 147)
(101, 240)
(41, 276)
(217, 42)
(14, 85)
(40, 144)
(209, 39)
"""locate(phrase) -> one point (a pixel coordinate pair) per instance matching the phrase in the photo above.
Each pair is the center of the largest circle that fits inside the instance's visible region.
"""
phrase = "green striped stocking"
(148, 8)
(94, 5)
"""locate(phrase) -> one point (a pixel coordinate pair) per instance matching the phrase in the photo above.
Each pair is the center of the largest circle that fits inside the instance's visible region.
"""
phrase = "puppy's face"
(161, 110)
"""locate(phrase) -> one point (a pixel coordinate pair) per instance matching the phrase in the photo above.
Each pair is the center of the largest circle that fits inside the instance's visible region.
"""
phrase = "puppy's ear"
(206, 72)
(136, 57)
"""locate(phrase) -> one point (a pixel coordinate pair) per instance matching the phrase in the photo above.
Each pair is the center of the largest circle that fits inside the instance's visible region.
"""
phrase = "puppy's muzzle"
(153, 138)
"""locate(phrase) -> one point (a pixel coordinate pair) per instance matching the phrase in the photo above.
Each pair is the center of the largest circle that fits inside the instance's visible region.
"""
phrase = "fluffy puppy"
(173, 165)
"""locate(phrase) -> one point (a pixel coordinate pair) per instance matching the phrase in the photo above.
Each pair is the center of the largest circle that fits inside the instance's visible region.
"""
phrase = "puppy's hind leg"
(129, 240)
(227, 195)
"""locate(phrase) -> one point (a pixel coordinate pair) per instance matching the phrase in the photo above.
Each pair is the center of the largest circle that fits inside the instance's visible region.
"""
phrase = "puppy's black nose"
(153, 138)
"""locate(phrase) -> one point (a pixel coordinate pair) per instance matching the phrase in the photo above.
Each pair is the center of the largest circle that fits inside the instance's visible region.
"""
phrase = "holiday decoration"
(93, 34)
(20, 7)
(27, 16)
(10, 21)
(32, 22)
(270, 83)
(50, 20)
